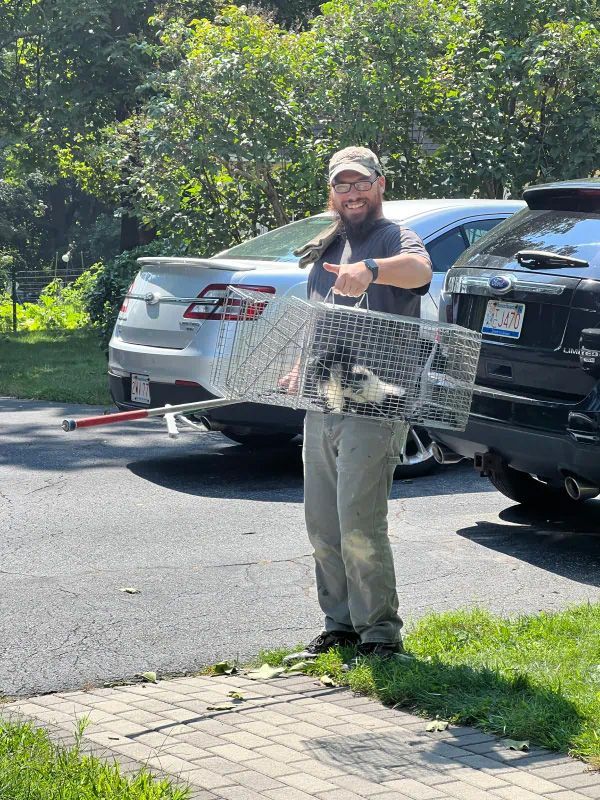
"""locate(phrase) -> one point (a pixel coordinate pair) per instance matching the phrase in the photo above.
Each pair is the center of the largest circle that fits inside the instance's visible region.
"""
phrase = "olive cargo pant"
(349, 465)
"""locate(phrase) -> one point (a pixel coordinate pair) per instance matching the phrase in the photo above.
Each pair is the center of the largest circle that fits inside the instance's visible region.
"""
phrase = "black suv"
(532, 287)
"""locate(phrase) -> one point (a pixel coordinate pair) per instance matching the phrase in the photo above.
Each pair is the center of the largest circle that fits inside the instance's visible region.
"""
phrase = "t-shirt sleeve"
(403, 240)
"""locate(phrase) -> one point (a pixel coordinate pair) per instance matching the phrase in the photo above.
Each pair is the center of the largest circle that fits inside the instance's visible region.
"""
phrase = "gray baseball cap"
(358, 159)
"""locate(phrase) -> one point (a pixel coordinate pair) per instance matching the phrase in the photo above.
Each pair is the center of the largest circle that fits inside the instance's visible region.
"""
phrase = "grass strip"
(64, 366)
(33, 768)
(534, 678)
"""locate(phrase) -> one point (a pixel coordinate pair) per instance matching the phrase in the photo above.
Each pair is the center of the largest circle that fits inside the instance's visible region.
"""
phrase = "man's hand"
(289, 383)
(352, 279)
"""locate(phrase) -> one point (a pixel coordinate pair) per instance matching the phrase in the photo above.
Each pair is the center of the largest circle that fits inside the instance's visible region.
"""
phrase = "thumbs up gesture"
(352, 279)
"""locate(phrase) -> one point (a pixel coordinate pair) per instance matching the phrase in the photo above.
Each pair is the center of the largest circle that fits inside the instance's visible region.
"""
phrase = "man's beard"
(358, 230)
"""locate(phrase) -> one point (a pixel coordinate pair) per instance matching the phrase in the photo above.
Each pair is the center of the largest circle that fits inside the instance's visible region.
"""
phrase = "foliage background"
(189, 125)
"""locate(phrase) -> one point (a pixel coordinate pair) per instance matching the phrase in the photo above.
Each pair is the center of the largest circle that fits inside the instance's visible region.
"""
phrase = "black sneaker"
(380, 649)
(324, 642)
(383, 650)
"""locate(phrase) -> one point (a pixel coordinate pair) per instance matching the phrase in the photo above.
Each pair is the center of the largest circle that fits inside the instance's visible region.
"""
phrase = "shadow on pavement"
(274, 474)
(567, 545)
(233, 472)
(460, 691)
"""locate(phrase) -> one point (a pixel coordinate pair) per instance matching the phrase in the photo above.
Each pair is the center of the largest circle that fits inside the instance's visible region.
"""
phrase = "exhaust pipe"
(578, 489)
(443, 454)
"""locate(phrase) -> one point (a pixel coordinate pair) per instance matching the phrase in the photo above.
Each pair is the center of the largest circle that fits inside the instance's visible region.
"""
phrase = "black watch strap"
(371, 264)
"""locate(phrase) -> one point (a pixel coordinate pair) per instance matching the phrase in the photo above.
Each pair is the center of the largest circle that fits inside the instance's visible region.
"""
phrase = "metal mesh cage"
(347, 360)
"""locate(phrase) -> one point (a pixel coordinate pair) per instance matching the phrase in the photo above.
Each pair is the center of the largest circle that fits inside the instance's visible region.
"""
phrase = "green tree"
(370, 77)
(515, 99)
(226, 143)
(67, 69)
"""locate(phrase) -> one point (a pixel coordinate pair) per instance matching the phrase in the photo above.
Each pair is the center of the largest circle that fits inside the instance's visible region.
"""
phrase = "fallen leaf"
(148, 676)
(437, 725)
(265, 673)
(129, 590)
(236, 695)
(327, 680)
(220, 707)
(224, 668)
(513, 744)
(299, 668)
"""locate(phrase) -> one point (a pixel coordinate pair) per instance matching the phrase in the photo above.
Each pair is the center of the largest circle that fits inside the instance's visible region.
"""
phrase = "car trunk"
(163, 309)
(539, 358)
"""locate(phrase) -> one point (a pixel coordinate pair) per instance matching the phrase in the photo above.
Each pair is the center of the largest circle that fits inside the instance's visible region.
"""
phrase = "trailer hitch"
(488, 462)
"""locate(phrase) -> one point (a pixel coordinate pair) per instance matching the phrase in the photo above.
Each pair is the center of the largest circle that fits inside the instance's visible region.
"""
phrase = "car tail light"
(217, 292)
(125, 302)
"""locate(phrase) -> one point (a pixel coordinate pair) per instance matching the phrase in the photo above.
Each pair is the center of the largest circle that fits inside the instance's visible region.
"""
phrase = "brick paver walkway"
(294, 739)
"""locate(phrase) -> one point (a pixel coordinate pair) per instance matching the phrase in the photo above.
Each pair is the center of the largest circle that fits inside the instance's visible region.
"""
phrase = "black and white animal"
(342, 383)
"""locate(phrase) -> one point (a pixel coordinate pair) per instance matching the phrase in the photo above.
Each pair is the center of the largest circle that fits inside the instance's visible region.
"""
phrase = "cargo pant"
(349, 465)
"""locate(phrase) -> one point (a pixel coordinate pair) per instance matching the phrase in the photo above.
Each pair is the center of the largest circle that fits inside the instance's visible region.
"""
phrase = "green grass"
(62, 366)
(33, 768)
(534, 678)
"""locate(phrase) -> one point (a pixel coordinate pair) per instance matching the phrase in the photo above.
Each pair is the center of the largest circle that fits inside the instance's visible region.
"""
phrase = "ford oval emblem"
(501, 284)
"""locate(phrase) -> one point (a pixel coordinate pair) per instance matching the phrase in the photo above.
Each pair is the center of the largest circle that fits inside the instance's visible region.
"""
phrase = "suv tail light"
(215, 294)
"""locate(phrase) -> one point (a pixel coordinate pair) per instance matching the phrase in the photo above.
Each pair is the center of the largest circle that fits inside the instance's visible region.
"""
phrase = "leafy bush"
(104, 295)
(58, 306)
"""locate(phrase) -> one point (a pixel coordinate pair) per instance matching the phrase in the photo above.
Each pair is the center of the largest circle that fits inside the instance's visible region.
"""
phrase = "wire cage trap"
(347, 360)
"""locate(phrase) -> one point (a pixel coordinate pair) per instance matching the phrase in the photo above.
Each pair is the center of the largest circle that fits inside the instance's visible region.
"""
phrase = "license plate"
(503, 319)
(140, 389)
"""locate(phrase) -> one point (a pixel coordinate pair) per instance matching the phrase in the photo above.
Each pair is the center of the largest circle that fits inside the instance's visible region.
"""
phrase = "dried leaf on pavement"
(265, 673)
(299, 668)
(224, 668)
(514, 744)
(437, 725)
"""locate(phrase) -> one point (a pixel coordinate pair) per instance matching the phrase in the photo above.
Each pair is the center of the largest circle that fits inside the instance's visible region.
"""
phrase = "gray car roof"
(427, 217)
(409, 209)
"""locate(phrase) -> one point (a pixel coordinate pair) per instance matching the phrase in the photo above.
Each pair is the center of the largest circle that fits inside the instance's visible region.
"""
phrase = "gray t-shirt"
(384, 239)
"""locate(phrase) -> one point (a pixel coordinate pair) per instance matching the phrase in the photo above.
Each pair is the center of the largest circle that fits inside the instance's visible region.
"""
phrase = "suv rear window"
(570, 233)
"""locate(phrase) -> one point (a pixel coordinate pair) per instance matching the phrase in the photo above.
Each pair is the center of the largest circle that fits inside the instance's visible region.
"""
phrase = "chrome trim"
(471, 284)
(152, 298)
(485, 391)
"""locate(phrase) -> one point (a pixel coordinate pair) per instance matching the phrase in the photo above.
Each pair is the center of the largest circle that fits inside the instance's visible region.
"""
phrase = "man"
(349, 461)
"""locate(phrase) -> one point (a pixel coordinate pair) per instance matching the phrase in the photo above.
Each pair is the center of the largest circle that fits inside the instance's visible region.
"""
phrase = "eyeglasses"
(360, 186)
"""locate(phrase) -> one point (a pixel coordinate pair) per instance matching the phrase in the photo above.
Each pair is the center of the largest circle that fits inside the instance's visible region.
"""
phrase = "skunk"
(342, 383)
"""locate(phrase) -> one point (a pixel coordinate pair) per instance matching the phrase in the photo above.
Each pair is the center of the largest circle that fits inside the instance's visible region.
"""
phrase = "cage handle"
(364, 298)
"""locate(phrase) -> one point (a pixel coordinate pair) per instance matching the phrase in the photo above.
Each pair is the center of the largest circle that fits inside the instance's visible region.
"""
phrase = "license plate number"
(140, 389)
(503, 319)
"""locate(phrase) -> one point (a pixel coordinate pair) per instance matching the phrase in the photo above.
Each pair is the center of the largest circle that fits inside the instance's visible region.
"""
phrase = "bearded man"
(349, 461)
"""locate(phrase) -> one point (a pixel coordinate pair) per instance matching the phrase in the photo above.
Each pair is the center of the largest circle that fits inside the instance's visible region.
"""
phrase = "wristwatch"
(371, 265)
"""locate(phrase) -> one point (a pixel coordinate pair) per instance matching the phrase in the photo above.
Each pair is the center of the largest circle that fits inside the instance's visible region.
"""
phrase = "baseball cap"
(358, 159)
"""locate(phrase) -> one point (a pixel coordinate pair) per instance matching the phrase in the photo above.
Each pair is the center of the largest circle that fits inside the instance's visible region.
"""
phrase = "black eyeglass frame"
(338, 190)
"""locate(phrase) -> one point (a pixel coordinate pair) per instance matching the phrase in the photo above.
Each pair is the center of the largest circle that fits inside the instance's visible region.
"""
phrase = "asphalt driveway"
(212, 536)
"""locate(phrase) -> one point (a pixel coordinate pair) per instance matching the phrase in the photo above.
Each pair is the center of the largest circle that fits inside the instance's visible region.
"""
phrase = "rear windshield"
(279, 245)
(570, 233)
